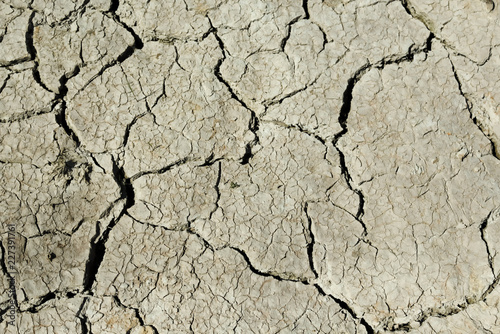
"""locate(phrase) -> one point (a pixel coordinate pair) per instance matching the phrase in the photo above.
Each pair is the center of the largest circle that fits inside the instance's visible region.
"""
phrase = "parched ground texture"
(250, 166)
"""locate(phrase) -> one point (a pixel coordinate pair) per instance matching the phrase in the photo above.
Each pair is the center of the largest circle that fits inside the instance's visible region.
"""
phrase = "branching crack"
(343, 116)
(494, 150)
(128, 52)
(30, 47)
(280, 276)
(483, 226)
(277, 276)
(410, 10)
(129, 127)
(305, 281)
(96, 255)
(42, 300)
(61, 114)
(346, 109)
(346, 308)
(138, 44)
(449, 310)
(288, 33)
(98, 242)
(84, 321)
(482, 229)
(253, 124)
(209, 161)
(136, 311)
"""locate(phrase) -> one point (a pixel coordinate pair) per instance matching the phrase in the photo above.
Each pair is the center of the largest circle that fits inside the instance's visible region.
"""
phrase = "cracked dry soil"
(227, 166)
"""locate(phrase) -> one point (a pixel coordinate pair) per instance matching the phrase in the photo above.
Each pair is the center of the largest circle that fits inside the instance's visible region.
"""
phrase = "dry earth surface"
(249, 166)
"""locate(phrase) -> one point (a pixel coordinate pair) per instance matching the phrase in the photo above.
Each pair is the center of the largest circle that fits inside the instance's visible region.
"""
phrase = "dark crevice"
(490, 288)
(136, 311)
(30, 48)
(98, 244)
(48, 232)
(42, 300)
(60, 116)
(248, 154)
(138, 43)
(3, 312)
(491, 4)
(295, 92)
(113, 7)
(77, 227)
(281, 278)
(288, 33)
(482, 230)
(287, 277)
(31, 113)
(346, 109)
(343, 116)
(161, 170)
(428, 43)
(253, 124)
(209, 161)
(190, 230)
(129, 51)
(5, 83)
(126, 187)
(410, 10)
(310, 242)
(63, 89)
(110, 208)
(83, 318)
(191, 325)
(129, 127)
(255, 270)
(406, 7)
(216, 187)
(70, 294)
(408, 57)
(121, 58)
(346, 308)
(305, 7)
(10, 279)
(3, 265)
(15, 62)
(494, 151)
(347, 100)
(96, 255)
(496, 279)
